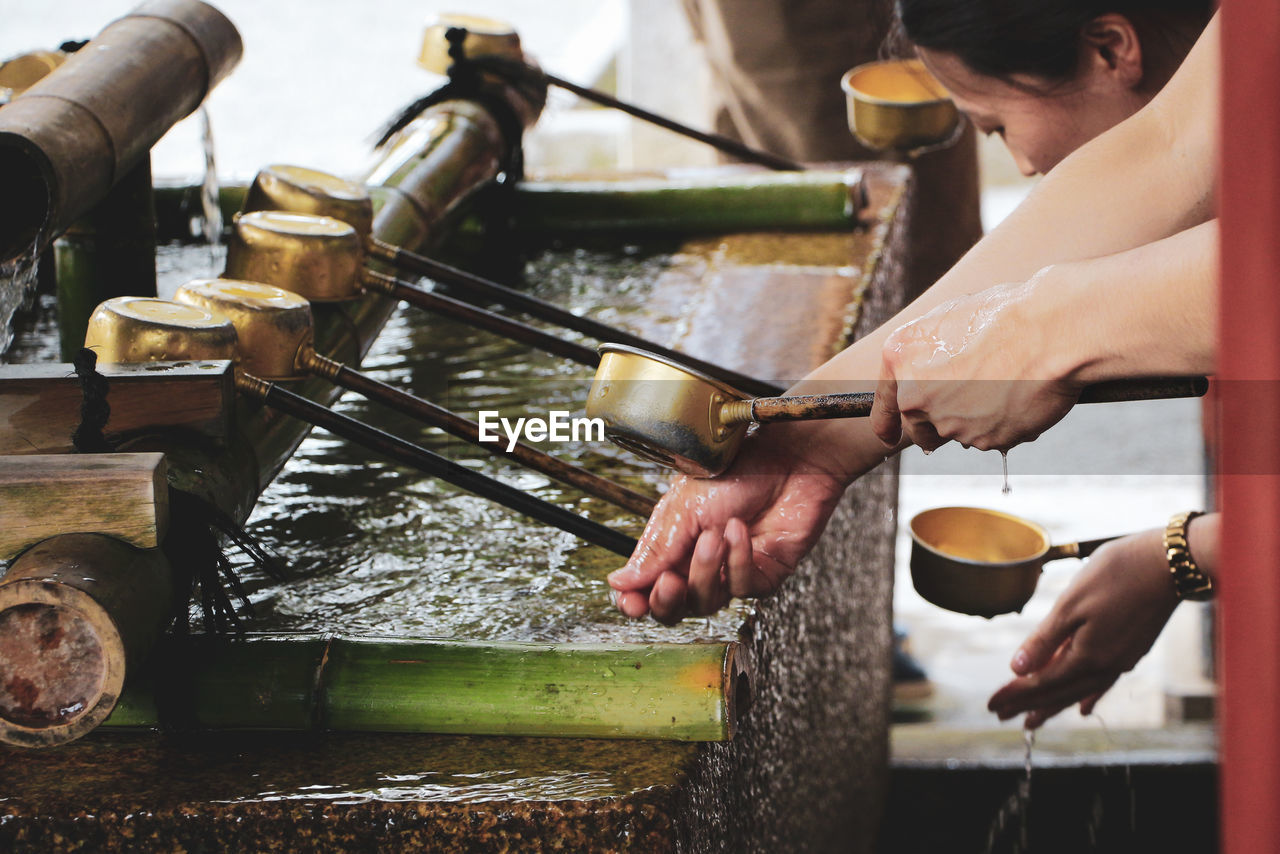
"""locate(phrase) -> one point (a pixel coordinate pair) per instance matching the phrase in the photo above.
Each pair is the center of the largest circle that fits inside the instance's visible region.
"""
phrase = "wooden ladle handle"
(1114, 391)
(807, 407)
(1082, 549)
(801, 407)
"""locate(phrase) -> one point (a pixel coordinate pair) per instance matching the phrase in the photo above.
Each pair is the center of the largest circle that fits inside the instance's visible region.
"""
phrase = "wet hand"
(1098, 629)
(979, 370)
(737, 535)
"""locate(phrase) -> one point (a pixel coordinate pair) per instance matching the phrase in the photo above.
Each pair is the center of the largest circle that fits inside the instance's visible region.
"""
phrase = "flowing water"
(17, 289)
(212, 212)
(1009, 828)
(1004, 467)
(1095, 825)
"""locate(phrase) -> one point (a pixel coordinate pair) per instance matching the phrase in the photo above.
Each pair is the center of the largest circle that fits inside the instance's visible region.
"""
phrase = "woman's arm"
(1146, 179)
(999, 367)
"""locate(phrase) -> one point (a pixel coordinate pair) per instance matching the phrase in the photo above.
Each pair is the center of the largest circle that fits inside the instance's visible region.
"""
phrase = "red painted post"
(1249, 365)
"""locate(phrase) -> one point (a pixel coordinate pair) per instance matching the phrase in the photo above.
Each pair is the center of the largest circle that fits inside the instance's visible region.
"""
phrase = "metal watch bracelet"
(1189, 580)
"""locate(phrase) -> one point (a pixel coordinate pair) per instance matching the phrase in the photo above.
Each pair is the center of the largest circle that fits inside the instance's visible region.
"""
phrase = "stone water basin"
(376, 549)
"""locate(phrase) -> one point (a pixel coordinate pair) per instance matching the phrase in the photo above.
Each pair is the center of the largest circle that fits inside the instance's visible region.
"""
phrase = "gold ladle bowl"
(897, 105)
(982, 562)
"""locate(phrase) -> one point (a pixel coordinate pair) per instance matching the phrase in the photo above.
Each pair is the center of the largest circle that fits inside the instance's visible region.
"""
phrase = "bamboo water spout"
(67, 140)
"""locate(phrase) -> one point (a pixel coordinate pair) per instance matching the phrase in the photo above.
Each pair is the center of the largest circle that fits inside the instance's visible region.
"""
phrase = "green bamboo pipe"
(752, 202)
(677, 692)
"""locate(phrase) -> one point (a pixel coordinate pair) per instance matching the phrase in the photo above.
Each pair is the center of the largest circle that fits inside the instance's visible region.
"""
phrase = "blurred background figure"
(775, 75)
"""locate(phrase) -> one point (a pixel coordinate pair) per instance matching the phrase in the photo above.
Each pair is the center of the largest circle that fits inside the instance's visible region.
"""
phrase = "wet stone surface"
(376, 549)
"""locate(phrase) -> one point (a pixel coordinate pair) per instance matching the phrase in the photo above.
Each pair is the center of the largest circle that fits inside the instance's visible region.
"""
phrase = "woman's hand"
(981, 370)
(736, 535)
(1098, 629)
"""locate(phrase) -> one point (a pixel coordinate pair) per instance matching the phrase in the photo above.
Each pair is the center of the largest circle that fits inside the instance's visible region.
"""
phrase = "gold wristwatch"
(1189, 580)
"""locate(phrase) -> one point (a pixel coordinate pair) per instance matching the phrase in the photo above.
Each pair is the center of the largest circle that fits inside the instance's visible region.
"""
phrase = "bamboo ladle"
(296, 189)
(679, 417)
(147, 329)
(275, 342)
(896, 106)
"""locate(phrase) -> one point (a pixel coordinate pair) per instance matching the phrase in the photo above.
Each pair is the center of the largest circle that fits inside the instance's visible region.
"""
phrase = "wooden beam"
(125, 496)
(40, 404)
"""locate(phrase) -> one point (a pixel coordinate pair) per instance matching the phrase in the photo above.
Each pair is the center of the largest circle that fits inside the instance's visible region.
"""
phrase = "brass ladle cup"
(676, 416)
(982, 562)
(897, 106)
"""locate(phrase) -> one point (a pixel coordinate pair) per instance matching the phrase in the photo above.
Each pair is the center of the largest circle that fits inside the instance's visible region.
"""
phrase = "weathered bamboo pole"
(40, 404)
(682, 692)
(76, 612)
(68, 139)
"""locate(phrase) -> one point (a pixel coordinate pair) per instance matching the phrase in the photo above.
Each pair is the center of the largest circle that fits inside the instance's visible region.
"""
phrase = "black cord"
(466, 83)
(88, 437)
(193, 544)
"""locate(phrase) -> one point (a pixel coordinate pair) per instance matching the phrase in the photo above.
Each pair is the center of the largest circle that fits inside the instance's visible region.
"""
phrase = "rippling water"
(377, 548)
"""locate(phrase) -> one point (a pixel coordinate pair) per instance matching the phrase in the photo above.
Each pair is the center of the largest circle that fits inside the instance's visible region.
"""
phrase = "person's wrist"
(1190, 580)
(825, 448)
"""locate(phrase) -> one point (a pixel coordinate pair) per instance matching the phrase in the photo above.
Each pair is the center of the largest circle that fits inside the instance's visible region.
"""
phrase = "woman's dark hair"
(1000, 38)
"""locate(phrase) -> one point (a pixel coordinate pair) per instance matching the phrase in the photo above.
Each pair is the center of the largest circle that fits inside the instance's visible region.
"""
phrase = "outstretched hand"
(977, 370)
(737, 535)
(1098, 629)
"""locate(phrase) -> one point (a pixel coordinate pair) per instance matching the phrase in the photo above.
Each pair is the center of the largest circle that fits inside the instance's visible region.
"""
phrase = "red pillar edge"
(1249, 461)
